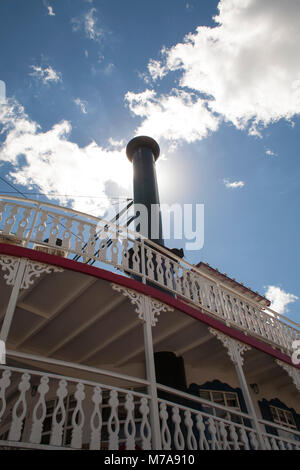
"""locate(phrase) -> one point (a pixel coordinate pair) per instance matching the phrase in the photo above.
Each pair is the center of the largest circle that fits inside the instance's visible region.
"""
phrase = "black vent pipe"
(143, 152)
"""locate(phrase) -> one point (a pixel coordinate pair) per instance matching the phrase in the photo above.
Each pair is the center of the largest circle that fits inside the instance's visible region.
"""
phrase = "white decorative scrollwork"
(156, 309)
(292, 371)
(234, 348)
(10, 264)
(32, 269)
(143, 304)
(135, 298)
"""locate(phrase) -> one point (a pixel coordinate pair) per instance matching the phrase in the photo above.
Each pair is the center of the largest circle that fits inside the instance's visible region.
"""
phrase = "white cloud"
(89, 23)
(116, 143)
(109, 68)
(233, 184)
(279, 299)
(177, 116)
(57, 165)
(82, 104)
(156, 69)
(270, 152)
(246, 68)
(46, 74)
(50, 11)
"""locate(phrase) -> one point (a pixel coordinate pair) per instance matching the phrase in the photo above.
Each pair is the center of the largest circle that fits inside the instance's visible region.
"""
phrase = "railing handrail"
(280, 438)
(286, 322)
(71, 379)
(73, 365)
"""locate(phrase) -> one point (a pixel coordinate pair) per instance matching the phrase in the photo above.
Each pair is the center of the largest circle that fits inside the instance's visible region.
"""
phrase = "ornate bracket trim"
(10, 264)
(144, 304)
(33, 269)
(234, 348)
(292, 372)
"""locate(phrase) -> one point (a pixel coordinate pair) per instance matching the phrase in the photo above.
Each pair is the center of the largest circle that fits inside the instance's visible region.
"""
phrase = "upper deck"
(87, 239)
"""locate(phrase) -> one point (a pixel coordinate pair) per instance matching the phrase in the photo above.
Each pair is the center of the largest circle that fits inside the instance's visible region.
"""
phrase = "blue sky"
(217, 83)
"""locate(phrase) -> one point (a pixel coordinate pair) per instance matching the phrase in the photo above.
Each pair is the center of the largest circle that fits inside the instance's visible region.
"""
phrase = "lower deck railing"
(50, 411)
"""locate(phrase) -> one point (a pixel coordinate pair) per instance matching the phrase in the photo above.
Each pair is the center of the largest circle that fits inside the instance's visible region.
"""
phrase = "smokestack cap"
(142, 141)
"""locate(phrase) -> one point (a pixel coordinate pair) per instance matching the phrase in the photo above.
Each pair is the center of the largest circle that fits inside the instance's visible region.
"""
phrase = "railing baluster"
(223, 433)
(4, 384)
(59, 412)
(113, 422)
(10, 220)
(165, 432)
(234, 437)
(244, 438)
(96, 419)
(191, 440)
(203, 444)
(21, 404)
(129, 423)
(178, 436)
(37, 422)
(145, 429)
(213, 434)
(78, 417)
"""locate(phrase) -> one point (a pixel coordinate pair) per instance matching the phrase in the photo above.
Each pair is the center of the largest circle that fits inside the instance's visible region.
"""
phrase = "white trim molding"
(234, 348)
(292, 372)
(138, 300)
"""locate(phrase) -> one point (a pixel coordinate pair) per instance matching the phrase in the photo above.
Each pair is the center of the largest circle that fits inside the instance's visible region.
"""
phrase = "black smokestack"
(143, 152)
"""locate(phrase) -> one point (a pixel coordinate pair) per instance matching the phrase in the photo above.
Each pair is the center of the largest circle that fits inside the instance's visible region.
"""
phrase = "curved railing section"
(75, 235)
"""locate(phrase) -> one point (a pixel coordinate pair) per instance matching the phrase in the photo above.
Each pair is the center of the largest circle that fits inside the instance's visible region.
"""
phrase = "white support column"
(148, 309)
(11, 307)
(151, 376)
(235, 351)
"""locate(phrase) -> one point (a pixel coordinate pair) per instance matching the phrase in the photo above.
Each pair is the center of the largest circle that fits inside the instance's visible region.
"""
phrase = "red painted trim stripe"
(198, 314)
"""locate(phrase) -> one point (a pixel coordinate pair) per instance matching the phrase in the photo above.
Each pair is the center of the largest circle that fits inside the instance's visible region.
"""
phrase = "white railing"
(190, 422)
(279, 437)
(196, 424)
(87, 238)
(45, 410)
(42, 410)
